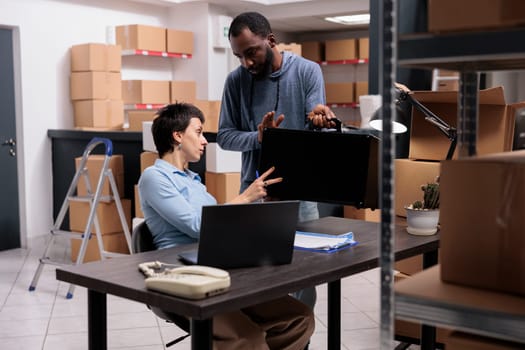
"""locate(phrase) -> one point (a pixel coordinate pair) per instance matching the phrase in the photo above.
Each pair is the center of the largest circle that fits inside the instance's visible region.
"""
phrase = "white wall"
(47, 29)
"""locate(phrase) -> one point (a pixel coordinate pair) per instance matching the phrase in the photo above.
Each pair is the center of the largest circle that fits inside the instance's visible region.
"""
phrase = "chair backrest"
(141, 239)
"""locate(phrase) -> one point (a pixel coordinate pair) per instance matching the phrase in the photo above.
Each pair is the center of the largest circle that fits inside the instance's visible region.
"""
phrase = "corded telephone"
(192, 282)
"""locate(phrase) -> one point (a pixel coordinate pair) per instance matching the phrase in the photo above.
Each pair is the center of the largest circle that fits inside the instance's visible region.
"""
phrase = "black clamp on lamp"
(399, 124)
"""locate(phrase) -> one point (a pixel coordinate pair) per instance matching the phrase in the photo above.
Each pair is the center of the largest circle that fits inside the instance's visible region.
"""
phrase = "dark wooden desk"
(121, 277)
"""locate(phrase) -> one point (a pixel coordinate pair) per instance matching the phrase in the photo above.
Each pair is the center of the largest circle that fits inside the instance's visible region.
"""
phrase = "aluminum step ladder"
(93, 199)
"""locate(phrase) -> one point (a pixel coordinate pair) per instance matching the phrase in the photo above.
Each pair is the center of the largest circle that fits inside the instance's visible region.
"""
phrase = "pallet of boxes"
(112, 232)
(95, 87)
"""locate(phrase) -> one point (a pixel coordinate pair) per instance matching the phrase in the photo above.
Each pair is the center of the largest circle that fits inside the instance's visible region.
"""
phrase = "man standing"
(269, 89)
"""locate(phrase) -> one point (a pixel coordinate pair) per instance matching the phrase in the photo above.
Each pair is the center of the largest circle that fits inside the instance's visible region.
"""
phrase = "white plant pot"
(422, 222)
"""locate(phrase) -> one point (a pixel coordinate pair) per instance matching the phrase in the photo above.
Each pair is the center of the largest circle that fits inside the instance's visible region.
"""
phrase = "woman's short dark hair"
(257, 23)
(171, 118)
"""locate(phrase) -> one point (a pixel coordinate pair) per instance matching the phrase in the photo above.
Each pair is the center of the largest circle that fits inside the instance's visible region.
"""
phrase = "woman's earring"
(179, 147)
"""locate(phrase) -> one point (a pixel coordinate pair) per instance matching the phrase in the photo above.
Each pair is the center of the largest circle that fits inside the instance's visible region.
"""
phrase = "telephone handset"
(192, 282)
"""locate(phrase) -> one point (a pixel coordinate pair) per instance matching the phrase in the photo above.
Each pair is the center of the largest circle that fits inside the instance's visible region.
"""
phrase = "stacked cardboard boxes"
(223, 172)
(110, 225)
(95, 86)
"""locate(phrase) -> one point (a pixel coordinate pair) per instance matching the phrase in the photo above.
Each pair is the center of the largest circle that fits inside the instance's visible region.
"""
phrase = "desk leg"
(428, 333)
(201, 334)
(97, 321)
(334, 315)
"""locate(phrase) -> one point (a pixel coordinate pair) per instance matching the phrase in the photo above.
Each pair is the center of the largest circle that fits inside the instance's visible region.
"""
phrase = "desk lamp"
(399, 122)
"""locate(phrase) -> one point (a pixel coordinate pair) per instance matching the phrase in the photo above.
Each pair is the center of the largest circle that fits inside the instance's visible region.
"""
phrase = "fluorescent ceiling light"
(350, 20)
(275, 2)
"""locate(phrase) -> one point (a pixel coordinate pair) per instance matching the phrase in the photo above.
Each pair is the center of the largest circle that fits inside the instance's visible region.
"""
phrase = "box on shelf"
(343, 49)
(137, 36)
(223, 186)
(147, 137)
(147, 159)
(365, 214)
(463, 341)
(146, 91)
(211, 111)
(95, 86)
(96, 57)
(179, 41)
(361, 88)
(99, 113)
(114, 242)
(363, 48)
(313, 50)
(481, 215)
(495, 127)
(339, 92)
(183, 91)
(222, 161)
(136, 117)
(107, 215)
(449, 15)
(94, 165)
(291, 47)
(409, 176)
(138, 208)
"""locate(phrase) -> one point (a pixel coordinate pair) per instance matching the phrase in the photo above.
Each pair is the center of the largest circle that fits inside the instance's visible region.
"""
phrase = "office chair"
(142, 241)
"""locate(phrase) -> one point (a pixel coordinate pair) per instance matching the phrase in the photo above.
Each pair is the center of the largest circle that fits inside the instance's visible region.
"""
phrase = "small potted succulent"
(423, 216)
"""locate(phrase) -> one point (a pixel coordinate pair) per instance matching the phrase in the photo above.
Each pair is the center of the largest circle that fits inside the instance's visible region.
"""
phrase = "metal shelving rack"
(469, 53)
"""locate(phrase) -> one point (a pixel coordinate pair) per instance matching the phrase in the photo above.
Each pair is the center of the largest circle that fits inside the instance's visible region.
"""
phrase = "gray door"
(9, 210)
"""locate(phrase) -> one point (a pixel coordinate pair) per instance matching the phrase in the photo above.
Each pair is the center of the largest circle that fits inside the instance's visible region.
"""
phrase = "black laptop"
(246, 235)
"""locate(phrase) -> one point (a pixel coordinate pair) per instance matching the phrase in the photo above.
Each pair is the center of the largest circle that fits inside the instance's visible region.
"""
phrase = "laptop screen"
(320, 166)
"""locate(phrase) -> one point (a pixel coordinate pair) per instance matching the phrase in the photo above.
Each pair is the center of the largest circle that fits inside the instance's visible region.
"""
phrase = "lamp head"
(398, 124)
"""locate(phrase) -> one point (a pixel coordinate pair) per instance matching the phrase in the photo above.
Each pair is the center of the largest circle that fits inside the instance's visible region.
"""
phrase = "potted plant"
(423, 216)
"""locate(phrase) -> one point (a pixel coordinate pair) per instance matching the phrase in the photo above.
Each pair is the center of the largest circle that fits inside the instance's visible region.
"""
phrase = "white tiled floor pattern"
(45, 319)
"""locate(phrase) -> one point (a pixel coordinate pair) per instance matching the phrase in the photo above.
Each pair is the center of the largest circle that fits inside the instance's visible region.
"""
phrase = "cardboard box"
(95, 86)
(449, 15)
(291, 47)
(183, 91)
(360, 88)
(495, 127)
(107, 215)
(179, 41)
(464, 341)
(94, 165)
(138, 208)
(223, 186)
(147, 159)
(363, 48)
(211, 111)
(339, 92)
(146, 91)
(409, 176)
(482, 222)
(448, 85)
(115, 243)
(366, 214)
(222, 161)
(99, 113)
(337, 50)
(137, 117)
(147, 137)
(96, 57)
(136, 36)
(313, 50)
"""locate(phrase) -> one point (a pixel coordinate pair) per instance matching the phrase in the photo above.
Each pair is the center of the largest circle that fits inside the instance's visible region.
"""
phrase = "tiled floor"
(45, 319)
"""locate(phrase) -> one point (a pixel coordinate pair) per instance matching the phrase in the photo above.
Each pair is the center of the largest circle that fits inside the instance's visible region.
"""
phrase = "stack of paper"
(323, 242)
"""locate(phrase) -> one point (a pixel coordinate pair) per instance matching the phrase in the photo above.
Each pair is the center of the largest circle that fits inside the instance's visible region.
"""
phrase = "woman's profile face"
(193, 140)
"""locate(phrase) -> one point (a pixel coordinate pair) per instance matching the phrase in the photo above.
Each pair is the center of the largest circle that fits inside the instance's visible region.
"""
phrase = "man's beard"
(266, 68)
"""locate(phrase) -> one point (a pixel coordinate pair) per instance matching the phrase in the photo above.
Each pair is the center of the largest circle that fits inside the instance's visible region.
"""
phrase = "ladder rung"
(89, 198)
(67, 234)
(53, 262)
(112, 254)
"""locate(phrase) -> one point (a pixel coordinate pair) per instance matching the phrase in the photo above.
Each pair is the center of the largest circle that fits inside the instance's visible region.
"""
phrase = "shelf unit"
(469, 53)
(138, 52)
(348, 112)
